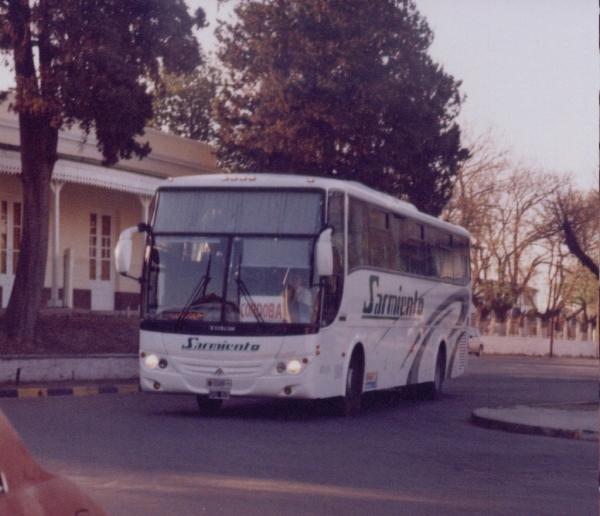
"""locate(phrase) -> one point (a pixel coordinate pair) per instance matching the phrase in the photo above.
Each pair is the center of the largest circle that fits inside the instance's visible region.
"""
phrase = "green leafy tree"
(341, 88)
(86, 62)
(184, 107)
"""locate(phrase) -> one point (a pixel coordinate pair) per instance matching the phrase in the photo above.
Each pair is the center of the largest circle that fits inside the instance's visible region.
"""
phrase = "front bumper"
(260, 379)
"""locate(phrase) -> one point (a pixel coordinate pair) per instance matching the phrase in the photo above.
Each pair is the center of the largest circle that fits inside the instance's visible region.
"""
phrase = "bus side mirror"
(123, 250)
(324, 253)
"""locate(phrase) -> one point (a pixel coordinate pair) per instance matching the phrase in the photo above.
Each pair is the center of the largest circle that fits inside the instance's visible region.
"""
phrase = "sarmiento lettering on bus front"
(385, 305)
(194, 343)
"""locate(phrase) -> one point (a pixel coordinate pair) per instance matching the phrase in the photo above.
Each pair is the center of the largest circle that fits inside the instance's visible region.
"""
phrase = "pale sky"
(529, 70)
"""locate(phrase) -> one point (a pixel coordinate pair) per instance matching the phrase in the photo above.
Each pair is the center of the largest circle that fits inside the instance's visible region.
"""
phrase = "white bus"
(270, 285)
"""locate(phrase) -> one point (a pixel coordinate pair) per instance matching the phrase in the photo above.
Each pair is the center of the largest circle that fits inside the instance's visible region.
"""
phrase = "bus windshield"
(239, 212)
(217, 258)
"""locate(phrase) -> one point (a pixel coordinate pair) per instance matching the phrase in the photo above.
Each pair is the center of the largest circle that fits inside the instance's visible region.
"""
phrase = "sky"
(529, 71)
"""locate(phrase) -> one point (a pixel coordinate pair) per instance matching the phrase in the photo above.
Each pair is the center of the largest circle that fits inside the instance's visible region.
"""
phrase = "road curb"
(492, 419)
(90, 390)
(31, 369)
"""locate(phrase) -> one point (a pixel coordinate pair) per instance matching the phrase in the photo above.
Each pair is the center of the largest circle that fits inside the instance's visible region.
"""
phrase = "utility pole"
(551, 336)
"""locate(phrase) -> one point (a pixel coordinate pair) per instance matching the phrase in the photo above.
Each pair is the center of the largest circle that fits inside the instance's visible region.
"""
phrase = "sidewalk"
(43, 369)
(566, 420)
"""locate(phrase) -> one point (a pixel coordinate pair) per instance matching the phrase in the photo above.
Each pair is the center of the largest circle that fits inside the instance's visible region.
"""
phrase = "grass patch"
(68, 332)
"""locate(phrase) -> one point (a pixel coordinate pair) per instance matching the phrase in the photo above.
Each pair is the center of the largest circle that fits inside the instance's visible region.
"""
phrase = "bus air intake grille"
(196, 368)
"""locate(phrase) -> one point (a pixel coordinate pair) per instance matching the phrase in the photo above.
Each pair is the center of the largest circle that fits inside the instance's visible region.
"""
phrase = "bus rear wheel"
(431, 390)
(350, 403)
(208, 406)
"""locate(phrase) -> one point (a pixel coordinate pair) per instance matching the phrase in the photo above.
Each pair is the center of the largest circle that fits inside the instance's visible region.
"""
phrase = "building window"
(100, 243)
(11, 223)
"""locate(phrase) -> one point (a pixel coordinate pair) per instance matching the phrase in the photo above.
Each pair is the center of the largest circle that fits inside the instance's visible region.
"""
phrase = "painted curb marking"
(43, 392)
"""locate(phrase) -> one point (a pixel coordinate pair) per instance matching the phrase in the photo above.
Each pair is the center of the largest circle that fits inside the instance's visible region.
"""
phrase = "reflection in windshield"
(264, 280)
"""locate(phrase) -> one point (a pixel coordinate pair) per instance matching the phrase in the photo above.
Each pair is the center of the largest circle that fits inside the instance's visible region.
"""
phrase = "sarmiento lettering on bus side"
(194, 343)
(382, 305)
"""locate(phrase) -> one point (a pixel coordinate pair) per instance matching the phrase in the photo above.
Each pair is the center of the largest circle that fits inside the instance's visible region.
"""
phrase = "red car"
(26, 489)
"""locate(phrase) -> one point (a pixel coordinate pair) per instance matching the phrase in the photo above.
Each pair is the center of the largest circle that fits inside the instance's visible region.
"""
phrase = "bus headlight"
(294, 366)
(151, 361)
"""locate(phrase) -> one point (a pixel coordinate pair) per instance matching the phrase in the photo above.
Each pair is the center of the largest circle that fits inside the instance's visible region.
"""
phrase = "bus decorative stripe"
(461, 297)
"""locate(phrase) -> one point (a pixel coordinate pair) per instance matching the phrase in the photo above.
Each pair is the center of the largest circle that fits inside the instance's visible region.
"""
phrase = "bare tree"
(502, 203)
(472, 204)
(582, 305)
(472, 195)
(516, 232)
(561, 276)
(573, 218)
(524, 224)
(575, 215)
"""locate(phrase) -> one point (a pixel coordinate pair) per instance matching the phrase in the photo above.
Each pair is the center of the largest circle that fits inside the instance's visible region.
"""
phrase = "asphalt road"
(153, 455)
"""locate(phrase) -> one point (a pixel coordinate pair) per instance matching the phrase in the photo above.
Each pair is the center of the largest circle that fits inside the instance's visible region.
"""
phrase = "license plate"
(219, 388)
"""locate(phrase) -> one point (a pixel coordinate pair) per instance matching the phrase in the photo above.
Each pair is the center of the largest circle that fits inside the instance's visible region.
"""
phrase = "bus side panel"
(445, 323)
(387, 312)
(458, 355)
(402, 322)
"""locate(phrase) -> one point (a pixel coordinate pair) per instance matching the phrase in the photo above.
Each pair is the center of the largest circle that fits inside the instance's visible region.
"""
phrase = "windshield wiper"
(246, 293)
(198, 294)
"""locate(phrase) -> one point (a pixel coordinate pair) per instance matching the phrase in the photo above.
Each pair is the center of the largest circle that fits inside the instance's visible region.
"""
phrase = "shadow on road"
(301, 410)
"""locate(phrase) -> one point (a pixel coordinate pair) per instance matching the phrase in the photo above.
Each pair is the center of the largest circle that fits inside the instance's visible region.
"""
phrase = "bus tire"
(350, 403)
(208, 406)
(431, 390)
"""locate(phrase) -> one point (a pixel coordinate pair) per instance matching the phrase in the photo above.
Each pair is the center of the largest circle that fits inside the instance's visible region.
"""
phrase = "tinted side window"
(381, 251)
(358, 234)
(393, 242)
(461, 257)
(415, 248)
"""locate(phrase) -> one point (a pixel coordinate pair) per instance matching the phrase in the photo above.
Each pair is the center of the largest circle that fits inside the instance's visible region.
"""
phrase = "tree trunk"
(574, 246)
(38, 155)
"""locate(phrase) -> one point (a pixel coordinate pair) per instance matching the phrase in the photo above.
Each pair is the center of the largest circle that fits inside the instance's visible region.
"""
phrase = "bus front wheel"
(350, 403)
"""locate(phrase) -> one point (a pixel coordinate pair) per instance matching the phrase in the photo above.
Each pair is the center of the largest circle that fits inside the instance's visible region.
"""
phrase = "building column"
(146, 201)
(54, 293)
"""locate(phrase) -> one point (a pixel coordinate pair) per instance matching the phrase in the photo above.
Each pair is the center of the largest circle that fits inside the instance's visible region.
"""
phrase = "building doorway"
(100, 262)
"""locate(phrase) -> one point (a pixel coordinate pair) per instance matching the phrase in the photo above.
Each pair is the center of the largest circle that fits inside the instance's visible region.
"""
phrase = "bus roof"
(269, 180)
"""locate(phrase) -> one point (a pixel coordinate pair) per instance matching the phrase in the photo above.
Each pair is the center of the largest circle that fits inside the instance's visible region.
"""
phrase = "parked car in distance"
(475, 342)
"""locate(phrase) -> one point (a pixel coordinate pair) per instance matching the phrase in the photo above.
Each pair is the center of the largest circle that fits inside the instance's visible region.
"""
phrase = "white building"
(91, 205)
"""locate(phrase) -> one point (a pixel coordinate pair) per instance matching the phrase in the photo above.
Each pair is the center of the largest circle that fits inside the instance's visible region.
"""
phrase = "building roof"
(81, 162)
